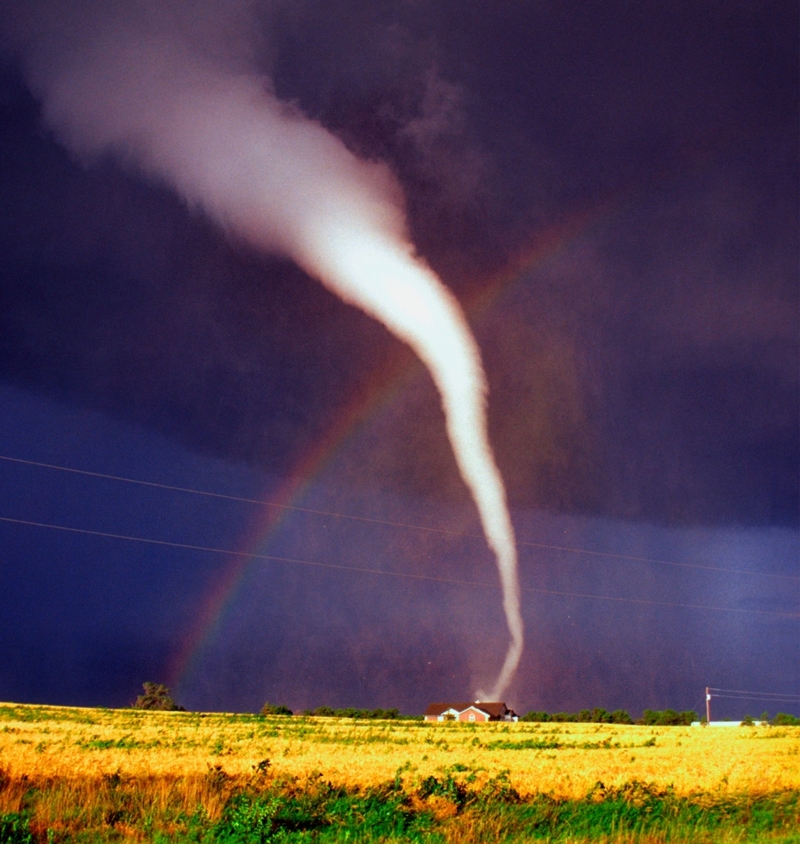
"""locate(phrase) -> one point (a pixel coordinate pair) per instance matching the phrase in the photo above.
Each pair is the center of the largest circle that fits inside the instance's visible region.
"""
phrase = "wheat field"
(564, 760)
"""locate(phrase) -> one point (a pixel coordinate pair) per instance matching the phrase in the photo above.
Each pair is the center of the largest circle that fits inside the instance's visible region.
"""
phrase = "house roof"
(492, 708)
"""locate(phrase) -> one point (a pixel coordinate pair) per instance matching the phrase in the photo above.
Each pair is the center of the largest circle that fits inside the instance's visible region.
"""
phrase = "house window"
(471, 716)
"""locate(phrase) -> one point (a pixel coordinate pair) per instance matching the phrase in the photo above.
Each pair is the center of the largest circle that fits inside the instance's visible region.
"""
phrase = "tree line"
(650, 717)
(157, 697)
(588, 716)
(329, 712)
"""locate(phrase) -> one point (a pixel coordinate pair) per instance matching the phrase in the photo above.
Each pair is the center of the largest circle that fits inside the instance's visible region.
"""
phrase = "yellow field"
(565, 760)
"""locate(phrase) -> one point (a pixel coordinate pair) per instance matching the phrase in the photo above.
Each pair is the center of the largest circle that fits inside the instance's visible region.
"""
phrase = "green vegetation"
(782, 719)
(586, 716)
(130, 775)
(275, 709)
(381, 714)
(650, 718)
(328, 712)
(15, 829)
(448, 807)
(323, 814)
(668, 718)
(638, 811)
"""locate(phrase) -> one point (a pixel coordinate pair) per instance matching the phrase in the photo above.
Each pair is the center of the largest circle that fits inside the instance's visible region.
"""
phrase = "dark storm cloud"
(91, 618)
(646, 370)
(114, 297)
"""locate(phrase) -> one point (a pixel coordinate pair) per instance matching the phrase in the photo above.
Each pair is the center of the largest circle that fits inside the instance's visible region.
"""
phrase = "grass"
(102, 775)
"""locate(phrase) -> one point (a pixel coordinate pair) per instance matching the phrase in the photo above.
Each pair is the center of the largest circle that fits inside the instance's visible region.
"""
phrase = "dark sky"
(610, 190)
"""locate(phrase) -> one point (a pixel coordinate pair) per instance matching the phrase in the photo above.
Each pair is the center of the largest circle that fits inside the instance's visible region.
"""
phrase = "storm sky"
(611, 193)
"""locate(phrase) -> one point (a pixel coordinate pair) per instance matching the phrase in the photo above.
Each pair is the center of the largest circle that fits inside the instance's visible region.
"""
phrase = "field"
(96, 775)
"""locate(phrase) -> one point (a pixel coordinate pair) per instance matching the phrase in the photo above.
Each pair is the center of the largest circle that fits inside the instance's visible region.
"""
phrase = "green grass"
(448, 807)
(640, 812)
(324, 817)
(15, 829)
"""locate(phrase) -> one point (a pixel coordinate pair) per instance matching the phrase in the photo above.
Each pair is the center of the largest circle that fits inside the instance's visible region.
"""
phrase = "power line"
(659, 562)
(760, 695)
(210, 549)
(291, 560)
(775, 698)
(742, 695)
(386, 522)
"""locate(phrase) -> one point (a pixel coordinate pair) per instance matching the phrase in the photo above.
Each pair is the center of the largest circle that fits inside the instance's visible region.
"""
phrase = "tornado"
(175, 90)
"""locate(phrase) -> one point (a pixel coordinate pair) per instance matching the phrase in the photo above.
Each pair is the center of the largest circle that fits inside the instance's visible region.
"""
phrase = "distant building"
(478, 711)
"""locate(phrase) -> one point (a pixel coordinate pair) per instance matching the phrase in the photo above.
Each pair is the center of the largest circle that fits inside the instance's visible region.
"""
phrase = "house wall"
(479, 716)
(443, 716)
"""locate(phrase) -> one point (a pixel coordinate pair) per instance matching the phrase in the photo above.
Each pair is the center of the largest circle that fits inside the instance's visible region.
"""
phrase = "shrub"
(351, 712)
(248, 819)
(275, 709)
(499, 790)
(667, 718)
(447, 787)
(14, 829)
(784, 719)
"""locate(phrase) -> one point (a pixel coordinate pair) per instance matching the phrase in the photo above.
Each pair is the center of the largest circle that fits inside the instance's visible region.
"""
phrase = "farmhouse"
(469, 711)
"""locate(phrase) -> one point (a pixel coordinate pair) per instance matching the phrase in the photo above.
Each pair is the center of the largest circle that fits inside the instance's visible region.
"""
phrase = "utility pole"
(708, 706)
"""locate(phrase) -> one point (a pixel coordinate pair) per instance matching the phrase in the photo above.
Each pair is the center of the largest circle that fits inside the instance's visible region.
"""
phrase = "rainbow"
(366, 402)
(375, 395)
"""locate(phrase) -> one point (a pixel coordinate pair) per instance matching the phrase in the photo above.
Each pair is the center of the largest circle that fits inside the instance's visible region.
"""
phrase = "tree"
(668, 718)
(598, 715)
(533, 715)
(157, 697)
(275, 709)
(324, 712)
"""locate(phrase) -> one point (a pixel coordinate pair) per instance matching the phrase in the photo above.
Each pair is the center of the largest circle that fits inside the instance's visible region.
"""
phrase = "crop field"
(111, 775)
